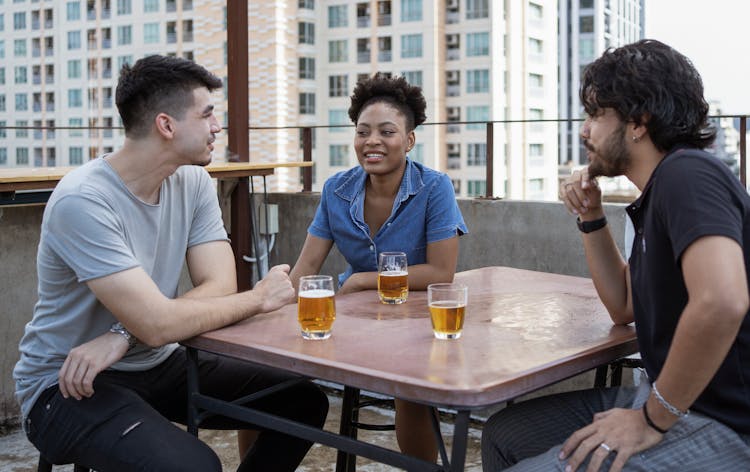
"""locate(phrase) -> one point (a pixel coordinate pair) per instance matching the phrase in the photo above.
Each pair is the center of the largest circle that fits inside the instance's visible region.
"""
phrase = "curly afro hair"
(395, 91)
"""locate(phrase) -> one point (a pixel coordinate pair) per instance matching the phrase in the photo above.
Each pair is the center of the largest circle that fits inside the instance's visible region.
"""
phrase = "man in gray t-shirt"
(100, 377)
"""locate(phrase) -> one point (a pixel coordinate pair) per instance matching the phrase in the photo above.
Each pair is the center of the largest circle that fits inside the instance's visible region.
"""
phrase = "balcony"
(384, 19)
(384, 56)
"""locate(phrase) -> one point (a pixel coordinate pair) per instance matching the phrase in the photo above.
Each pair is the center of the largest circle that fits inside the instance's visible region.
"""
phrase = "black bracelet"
(591, 226)
(651, 423)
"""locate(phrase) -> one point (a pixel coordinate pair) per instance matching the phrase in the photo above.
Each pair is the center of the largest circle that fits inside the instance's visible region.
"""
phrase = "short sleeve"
(320, 226)
(207, 224)
(694, 198)
(444, 219)
(87, 236)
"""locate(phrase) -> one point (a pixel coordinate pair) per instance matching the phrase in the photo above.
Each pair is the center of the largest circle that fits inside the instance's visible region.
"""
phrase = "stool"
(46, 466)
(631, 362)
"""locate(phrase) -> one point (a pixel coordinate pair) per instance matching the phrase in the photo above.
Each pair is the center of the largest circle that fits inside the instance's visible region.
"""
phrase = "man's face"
(603, 136)
(198, 129)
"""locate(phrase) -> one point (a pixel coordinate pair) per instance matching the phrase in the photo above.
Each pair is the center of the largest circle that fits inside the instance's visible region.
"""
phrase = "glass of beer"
(315, 306)
(447, 304)
(393, 283)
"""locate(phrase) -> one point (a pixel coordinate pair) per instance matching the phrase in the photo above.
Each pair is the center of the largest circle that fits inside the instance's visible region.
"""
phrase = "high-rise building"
(587, 29)
(476, 60)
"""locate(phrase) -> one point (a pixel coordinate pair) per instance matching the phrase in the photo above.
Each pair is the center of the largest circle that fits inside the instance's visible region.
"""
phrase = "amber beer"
(447, 303)
(393, 286)
(316, 309)
(447, 319)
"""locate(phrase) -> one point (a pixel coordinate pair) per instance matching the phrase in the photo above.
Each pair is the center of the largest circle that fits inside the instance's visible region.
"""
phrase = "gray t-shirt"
(93, 226)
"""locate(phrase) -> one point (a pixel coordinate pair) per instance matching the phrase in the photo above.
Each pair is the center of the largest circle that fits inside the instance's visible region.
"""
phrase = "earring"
(636, 139)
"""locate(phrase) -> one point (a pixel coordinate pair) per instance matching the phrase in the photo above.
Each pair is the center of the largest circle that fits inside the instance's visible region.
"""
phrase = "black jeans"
(127, 424)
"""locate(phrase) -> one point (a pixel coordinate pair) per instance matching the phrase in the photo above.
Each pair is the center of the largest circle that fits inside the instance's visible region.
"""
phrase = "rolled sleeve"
(444, 219)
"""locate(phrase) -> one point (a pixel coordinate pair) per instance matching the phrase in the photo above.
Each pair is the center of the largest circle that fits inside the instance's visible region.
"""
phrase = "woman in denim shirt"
(388, 203)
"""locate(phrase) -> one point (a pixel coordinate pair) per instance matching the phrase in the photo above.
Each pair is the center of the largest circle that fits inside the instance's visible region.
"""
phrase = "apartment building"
(587, 29)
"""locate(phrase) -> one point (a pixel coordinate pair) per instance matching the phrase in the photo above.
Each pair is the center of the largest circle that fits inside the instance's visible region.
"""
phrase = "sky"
(715, 36)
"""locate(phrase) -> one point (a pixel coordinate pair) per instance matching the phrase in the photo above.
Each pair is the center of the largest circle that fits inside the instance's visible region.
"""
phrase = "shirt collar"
(411, 183)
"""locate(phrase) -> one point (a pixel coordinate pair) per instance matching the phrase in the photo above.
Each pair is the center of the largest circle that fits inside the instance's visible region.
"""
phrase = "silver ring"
(605, 447)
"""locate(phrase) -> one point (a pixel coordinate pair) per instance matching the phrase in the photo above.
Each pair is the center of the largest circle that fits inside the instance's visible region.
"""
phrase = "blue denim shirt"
(424, 211)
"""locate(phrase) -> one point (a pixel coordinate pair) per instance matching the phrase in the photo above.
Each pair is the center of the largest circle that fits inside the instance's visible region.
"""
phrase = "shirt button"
(388, 224)
(640, 230)
(371, 248)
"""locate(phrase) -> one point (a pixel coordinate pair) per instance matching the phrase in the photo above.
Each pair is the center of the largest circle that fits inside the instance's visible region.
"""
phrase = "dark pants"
(127, 424)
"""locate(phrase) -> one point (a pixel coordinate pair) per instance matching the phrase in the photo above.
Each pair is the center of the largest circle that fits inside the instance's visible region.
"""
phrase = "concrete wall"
(528, 235)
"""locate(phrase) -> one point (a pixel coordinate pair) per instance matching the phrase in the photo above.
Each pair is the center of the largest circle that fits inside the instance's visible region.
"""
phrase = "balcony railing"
(501, 129)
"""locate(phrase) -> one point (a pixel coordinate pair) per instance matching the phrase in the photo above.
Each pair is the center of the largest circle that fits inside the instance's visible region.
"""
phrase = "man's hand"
(275, 289)
(581, 195)
(623, 431)
(84, 363)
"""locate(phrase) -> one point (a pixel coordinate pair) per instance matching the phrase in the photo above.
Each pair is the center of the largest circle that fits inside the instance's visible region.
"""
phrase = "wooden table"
(524, 330)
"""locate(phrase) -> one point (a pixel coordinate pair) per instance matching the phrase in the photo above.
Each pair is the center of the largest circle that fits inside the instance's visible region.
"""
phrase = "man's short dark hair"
(650, 83)
(158, 84)
(396, 92)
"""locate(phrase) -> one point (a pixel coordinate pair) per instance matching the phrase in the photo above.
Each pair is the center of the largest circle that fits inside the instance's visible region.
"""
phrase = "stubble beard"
(612, 157)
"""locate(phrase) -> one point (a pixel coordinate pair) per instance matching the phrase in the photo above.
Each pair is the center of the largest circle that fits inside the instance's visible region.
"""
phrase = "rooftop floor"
(18, 455)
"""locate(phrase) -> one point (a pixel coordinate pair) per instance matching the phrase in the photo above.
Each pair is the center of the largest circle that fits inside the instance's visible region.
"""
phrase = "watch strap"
(118, 328)
(591, 226)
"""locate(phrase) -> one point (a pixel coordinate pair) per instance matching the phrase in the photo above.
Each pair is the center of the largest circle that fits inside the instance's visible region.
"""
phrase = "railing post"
(743, 150)
(489, 187)
(307, 157)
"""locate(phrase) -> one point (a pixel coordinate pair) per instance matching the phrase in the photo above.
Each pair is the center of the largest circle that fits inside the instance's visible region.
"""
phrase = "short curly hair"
(651, 84)
(395, 91)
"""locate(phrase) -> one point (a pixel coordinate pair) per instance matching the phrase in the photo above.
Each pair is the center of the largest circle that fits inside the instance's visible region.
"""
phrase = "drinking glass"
(316, 309)
(447, 303)
(393, 282)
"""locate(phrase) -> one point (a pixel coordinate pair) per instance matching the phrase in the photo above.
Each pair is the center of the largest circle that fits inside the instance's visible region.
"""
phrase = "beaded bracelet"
(651, 423)
(668, 406)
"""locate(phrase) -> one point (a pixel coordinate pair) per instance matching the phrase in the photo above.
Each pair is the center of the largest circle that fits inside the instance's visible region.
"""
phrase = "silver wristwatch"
(120, 329)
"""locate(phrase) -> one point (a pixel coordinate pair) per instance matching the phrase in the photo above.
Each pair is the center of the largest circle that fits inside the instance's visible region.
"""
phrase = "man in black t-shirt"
(685, 285)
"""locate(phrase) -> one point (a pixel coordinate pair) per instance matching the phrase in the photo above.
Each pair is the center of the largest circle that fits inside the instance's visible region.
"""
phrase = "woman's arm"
(311, 258)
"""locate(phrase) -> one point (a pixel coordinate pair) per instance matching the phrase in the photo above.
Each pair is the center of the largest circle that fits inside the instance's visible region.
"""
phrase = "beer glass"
(315, 308)
(393, 283)
(447, 304)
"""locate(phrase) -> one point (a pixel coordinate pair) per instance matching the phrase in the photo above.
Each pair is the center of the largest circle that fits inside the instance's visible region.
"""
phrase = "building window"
(586, 24)
(338, 51)
(2, 22)
(536, 46)
(384, 49)
(585, 50)
(477, 9)
(150, 6)
(478, 44)
(19, 20)
(476, 188)
(22, 102)
(2, 49)
(3, 131)
(477, 154)
(411, 46)
(414, 77)
(306, 67)
(479, 113)
(75, 123)
(456, 186)
(338, 119)
(306, 4)
(536, 150)
(536, 82)
(73, 11)
(22, 156)
(22, 130)
(536, 11)
(338, 16)
(2, 75)
(586, 4)
(75, 156)
(151, 33)
(338, 85)
(124, 35)
(307, 103)
(3, 156)
(306, 32)
(411, 10)
(2, 106)
(19, 48)
(363, 50)
(122, 60)
(74, 40)
(363, 14)
(124, 7)
(21, 75)
(338, 155)
(75, 99)
(477, 81)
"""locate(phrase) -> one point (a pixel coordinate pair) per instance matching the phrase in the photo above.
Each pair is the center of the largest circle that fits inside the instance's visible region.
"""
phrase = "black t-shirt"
(690, 194)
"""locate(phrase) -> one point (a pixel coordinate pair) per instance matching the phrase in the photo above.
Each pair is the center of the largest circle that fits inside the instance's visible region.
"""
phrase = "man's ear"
(165, 125)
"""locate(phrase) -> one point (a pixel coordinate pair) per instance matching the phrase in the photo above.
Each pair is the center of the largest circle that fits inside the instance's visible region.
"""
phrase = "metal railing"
(489, 128)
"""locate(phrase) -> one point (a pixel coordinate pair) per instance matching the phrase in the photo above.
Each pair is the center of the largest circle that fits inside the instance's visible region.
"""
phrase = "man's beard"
(611, 158)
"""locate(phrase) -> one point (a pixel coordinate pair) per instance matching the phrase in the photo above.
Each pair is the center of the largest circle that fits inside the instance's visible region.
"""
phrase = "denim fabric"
(424, 211)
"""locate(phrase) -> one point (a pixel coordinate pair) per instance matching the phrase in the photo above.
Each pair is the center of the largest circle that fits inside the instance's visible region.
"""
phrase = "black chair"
(46, 466)
(615, 380)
